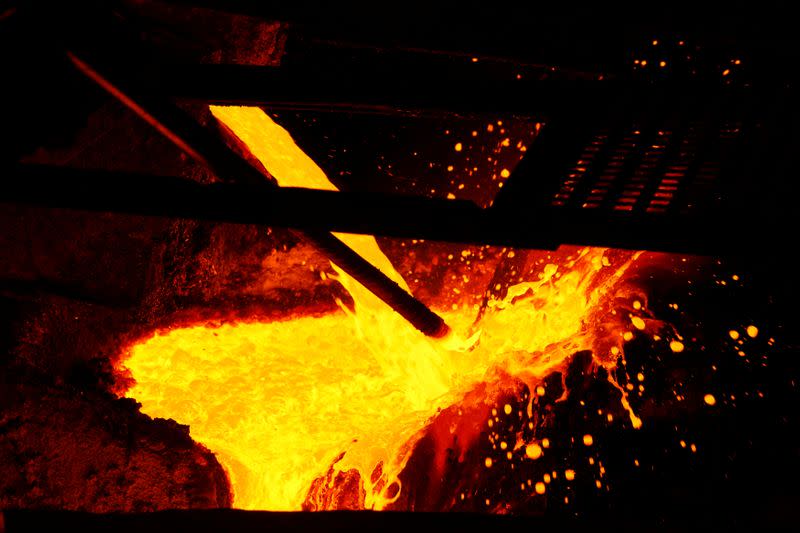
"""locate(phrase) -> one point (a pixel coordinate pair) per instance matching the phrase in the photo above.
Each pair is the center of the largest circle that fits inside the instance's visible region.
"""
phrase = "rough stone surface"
(64, 449)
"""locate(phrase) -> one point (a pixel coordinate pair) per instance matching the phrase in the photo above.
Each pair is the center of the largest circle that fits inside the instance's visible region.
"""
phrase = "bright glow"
(278, 402)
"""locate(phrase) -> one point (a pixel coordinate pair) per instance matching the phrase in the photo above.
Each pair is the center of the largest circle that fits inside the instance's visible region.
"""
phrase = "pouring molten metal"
(282, 402)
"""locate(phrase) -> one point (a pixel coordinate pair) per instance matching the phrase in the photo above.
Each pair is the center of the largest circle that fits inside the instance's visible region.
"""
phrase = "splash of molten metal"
(279, 402)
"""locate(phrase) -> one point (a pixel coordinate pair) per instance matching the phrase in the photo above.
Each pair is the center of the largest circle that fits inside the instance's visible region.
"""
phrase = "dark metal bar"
(141, 194)
(388, 215)
(363, 89)
(416, 88)
(179, 128)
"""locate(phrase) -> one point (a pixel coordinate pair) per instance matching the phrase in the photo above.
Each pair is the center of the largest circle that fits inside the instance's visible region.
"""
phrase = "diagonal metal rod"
(189, 136)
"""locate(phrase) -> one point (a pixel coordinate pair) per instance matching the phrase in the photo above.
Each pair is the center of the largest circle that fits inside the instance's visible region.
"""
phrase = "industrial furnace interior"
(323, 262)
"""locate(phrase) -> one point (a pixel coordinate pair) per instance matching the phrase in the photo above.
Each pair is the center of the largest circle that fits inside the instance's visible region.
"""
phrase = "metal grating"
(665, 166)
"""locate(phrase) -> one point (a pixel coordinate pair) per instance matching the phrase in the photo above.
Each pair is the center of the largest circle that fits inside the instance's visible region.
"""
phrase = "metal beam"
(422, 89)
(317, 211)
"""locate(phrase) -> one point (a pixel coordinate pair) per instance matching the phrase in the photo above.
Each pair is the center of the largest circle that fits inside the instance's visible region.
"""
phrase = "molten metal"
(279, 402)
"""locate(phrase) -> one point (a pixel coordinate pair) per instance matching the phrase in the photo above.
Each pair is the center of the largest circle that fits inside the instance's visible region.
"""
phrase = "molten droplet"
(637, 322)
(534, 451)
(752, 331)
(507, 409)
(458, 147)
(627, 335)
(709, 399)
(676, 346)
(588, 440)
(540, 488)
(734, 334)
(488, 462)
(505, 173)
(569, 474)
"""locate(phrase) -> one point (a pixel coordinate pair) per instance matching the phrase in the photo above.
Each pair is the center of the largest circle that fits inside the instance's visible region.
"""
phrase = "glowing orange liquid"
(279, 401)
